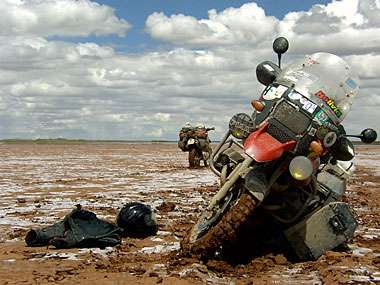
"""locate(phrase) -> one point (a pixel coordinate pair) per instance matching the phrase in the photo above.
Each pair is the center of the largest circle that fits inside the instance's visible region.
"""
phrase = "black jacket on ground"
(79, 229)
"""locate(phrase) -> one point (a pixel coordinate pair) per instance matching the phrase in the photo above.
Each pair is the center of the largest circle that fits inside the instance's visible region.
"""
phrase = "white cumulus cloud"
(245, 25)
(51, 88)
(59, 18)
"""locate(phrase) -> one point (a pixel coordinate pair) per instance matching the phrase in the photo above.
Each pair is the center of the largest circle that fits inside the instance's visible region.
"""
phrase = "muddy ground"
(39, 184)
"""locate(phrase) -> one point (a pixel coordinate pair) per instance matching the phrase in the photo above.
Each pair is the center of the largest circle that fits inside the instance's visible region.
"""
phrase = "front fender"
(262, 147)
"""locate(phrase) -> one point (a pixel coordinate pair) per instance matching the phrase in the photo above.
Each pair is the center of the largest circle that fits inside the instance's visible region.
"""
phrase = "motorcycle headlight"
(241, 125)
(301, 168)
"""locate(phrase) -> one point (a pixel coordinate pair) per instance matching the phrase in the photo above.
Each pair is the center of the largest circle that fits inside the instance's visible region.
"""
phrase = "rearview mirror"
(267, 72)
(280, 46)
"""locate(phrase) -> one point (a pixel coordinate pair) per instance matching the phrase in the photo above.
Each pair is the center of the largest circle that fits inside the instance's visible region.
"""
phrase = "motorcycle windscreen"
(262, 147)
(325, 79)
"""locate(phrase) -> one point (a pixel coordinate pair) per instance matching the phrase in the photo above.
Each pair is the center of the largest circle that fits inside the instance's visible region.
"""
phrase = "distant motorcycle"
(290, 160)
(197, 143)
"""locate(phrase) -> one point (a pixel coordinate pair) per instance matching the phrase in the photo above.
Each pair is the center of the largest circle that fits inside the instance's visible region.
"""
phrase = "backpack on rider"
(186, 132)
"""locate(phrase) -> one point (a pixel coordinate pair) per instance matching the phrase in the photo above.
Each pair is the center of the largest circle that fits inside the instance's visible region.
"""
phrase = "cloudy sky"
(110, 69)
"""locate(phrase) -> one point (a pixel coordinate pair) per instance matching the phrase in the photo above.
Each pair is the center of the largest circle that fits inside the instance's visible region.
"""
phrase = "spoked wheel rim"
(211, 217)
(212, 233)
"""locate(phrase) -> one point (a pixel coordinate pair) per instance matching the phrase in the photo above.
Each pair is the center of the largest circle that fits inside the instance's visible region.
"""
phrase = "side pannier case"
(325, 229)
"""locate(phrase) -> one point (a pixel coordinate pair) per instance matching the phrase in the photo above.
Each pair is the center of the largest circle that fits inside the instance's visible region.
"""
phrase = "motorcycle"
(199, 148)
(289, 159)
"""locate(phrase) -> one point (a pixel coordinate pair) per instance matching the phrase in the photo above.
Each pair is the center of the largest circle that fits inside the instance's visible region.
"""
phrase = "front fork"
(240, 171)
(227, 182)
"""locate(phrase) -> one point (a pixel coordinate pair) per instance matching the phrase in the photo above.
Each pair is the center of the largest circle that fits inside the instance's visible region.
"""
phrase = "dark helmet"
(137, 220)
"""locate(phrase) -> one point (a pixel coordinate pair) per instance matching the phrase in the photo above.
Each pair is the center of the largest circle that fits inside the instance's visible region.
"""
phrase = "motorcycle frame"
(235, 174)
(239, 171)
(216, 150)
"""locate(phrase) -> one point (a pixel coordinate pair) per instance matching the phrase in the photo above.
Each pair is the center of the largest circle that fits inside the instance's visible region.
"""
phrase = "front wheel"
(219, 228)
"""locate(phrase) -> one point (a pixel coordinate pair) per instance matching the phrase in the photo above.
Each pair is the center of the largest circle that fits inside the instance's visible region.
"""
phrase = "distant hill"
(75, 141)
(82, 141)
(43, 141)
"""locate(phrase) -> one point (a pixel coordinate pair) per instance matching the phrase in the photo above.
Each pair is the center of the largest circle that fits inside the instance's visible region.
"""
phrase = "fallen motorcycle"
(290, 159)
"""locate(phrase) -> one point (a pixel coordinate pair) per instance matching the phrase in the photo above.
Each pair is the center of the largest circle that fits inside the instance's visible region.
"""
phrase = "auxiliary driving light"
(300, 168)
(241, 125)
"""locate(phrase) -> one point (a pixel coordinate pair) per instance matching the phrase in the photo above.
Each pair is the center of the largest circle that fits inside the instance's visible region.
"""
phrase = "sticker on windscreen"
(274, 92)
(329, 102)
(324, 120)
(321, 117)
(351, 83)
(305, 103)
(310, 61)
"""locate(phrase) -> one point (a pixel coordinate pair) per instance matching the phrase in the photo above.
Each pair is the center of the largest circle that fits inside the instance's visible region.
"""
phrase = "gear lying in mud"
(79, 229)
(137, 220)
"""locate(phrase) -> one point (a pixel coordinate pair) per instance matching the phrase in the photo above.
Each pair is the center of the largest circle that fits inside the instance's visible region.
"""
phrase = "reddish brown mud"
(39, 184)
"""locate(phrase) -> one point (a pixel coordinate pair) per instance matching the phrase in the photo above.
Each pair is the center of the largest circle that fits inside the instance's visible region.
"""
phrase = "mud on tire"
(223, 232)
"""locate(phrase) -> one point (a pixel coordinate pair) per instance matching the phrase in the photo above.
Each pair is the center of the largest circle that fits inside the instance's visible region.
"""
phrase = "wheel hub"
(209, 218)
